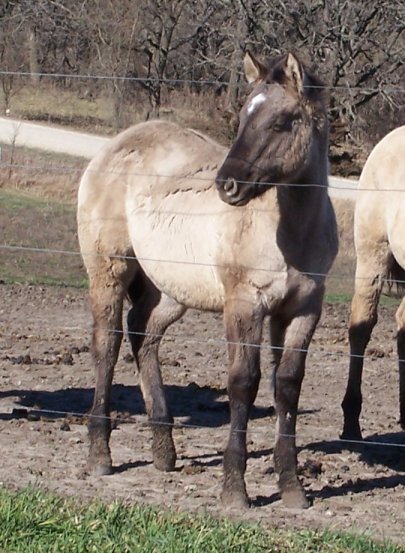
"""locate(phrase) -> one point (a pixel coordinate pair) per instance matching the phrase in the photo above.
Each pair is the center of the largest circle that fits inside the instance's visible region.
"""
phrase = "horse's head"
(280, 128)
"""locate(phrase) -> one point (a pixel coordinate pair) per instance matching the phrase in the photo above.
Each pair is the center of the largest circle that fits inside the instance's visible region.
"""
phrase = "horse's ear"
(254, 69)
(294, 72)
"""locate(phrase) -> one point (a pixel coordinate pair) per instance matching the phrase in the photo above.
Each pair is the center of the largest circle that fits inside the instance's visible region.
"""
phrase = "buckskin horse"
(379, 242)
(173, 220)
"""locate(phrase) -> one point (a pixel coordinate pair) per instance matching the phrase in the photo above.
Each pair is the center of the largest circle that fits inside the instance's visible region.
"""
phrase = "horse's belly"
(178, 253)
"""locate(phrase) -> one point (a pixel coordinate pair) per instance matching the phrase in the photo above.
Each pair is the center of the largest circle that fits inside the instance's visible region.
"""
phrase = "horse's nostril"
(231, 187)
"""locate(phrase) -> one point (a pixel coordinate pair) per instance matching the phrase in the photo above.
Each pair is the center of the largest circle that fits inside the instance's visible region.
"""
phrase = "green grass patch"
(14, 200)
(32, 520)
(385, 300)
(338, 298)
(39, 241)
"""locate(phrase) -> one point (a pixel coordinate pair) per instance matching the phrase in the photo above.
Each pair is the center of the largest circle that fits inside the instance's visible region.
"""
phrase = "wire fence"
(188, 338)
(88, 76)
(116, 419)
(186, 262)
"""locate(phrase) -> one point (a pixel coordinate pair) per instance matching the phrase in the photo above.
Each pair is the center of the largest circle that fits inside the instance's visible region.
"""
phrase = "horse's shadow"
(386, 449)
(197, 405)
(208, 407)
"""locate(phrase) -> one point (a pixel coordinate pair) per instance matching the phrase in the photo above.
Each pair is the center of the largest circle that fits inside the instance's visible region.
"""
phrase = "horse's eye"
(281, 125)
(278, 127)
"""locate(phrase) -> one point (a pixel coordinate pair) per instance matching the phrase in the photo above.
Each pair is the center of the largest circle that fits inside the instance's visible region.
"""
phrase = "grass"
(33, 231)
(35, 521)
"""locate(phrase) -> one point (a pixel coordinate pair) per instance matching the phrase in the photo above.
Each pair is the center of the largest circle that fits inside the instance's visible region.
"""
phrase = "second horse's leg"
(148, 319)
(400, 318)
(368, 285)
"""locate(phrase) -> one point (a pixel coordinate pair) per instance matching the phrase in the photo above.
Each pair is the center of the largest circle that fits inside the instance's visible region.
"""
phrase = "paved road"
(86, 145)
(53, 139)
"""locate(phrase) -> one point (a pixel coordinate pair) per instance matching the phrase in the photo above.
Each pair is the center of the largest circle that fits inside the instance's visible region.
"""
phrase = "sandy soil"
(46, 380)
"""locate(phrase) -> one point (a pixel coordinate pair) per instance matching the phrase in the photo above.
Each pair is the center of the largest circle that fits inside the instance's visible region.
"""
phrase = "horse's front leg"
(244, 330)
(370, 273)
(290, 374)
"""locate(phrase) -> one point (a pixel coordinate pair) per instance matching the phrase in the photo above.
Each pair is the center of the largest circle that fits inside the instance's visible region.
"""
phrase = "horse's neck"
(302, 207)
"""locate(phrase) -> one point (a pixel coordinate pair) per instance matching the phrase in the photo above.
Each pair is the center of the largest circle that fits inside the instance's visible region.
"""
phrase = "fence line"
(89, 76)
(32, 249)
(180, 425)
(70, 170)
(64, 170)
(224, 342)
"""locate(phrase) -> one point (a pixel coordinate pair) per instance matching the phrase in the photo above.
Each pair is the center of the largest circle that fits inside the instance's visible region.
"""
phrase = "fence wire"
(385, 89)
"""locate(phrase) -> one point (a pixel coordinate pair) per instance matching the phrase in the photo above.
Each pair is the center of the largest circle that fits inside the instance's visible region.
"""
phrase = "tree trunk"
(33, 55)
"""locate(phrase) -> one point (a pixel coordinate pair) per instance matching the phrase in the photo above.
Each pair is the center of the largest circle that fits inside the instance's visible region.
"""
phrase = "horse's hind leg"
(370, 273)
(277, 336)
(148, 319)
(400, 318)
(244, 331)
(108, 280)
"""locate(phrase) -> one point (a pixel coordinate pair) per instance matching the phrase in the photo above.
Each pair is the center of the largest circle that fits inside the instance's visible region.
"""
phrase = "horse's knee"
(243, 383)
(360, 333)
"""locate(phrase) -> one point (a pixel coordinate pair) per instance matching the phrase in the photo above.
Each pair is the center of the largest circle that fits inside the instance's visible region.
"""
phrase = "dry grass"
(38, 212)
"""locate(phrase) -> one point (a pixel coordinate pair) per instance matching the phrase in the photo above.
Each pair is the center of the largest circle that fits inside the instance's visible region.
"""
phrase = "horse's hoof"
(295, 499)
(166, 463)
(235, 499)
(351, 435)
(99, 469)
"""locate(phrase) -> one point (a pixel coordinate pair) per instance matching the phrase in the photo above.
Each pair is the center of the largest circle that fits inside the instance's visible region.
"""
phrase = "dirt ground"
(46, 372)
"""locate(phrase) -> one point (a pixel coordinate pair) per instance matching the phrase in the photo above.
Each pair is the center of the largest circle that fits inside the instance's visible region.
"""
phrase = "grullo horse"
(172, 220)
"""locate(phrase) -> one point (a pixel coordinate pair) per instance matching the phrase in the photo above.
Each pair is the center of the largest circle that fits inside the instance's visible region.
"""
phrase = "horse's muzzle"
(233, 192)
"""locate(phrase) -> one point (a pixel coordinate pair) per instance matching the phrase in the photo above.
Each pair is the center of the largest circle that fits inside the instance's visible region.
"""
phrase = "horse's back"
(380, 207)
(155, 155)
(385, 166)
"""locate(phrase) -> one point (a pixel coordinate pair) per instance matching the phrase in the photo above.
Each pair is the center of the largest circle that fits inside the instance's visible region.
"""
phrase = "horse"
(172, 220)
(380, 257)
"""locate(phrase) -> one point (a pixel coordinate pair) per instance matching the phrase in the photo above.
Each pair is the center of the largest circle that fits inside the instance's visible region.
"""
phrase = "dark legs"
(148, 319)
(368, 285)
(277, 336)
(400, 318)
(289, 376)
(244, 331)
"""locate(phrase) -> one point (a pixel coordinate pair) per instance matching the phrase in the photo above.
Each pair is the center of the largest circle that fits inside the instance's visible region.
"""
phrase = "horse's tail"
(395, 279)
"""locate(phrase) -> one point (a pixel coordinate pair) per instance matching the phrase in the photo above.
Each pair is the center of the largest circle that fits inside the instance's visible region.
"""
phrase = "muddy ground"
(46, 371)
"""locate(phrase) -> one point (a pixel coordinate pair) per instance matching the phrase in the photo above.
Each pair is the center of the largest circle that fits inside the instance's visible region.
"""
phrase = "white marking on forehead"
(256, 101)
